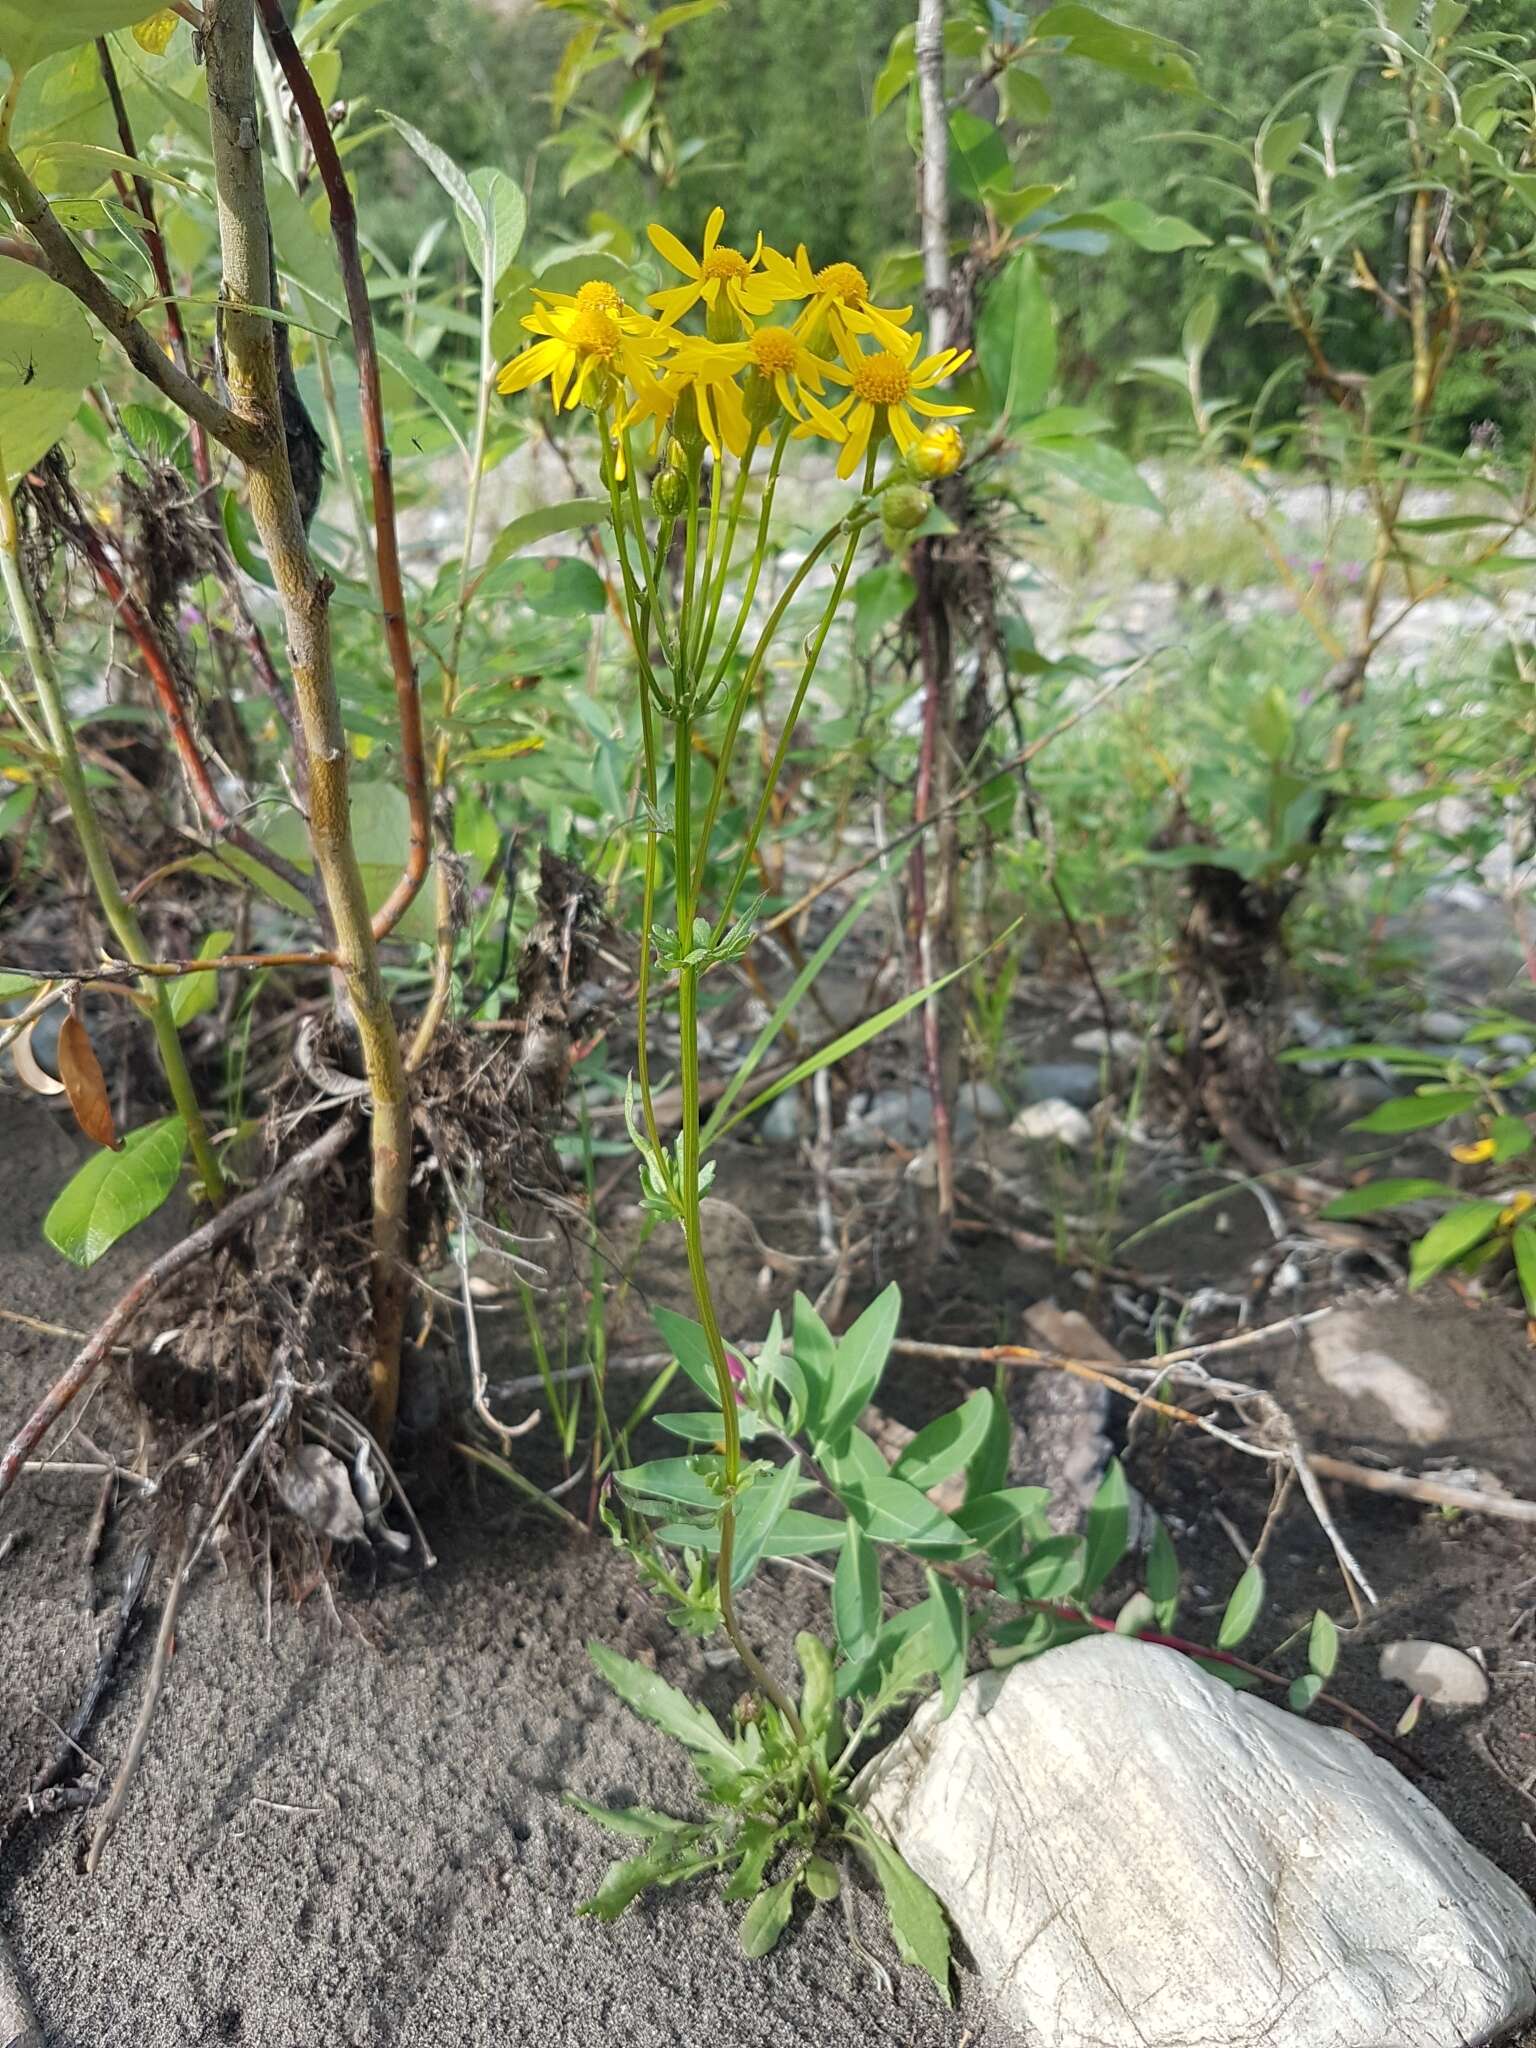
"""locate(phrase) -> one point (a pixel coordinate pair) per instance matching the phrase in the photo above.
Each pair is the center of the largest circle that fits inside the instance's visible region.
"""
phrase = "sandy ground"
(354, 1833)
(357, 1836)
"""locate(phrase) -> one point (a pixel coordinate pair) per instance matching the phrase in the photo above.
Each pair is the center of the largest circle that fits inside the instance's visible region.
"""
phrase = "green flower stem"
(733, 520)
(786, 736)
(683, 680)
(64, 760)
(754, 572)
(652, 568)
(701, 622)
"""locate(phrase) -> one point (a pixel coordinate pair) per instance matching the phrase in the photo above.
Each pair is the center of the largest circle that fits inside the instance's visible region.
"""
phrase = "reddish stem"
(158, 667)
(933, 695)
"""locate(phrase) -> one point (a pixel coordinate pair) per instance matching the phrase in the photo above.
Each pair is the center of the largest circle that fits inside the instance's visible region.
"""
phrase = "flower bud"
(905, 507)
(602, 390)
(938, 452)
(686, 430)
(670, 493)
(722, 322)
(759, 399)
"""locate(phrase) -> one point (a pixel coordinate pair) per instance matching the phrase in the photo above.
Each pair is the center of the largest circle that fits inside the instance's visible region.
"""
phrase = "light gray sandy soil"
(356, 1837)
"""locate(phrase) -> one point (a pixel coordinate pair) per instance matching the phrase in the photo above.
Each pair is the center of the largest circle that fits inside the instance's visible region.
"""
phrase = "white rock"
(983, 1102)
(1120, 1045)
(1436, 1671)
(1345, 1352)
(1053, 1121)
(1139, 1857)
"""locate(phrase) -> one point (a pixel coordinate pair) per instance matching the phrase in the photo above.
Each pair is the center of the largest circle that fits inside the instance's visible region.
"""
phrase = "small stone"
(1443, 1026)
(1515, 1044)
(983, 1102)
(1346, 1350)
(1119, 1045)
(313, 1484)
(783, 1120)
(1053, 1122)
(1436, 1671)
(1138, 1857)
(1079, 1082)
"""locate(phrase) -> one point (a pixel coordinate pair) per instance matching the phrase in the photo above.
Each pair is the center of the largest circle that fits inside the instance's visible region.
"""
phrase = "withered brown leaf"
(85, 1084)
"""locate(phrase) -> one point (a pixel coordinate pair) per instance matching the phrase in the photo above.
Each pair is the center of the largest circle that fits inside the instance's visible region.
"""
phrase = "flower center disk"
(593, 333)
(725, 263)
(843, 281)
(772, 350)
(599, 295)
(881, 379)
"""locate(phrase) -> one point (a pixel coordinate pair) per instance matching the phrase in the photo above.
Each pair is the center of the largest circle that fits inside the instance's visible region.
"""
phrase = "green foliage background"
(779, 91)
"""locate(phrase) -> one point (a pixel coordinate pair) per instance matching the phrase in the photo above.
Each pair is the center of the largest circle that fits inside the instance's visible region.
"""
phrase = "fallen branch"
(1432, 1492)
(53, 1772)
(165, 1637)
(301, 1167)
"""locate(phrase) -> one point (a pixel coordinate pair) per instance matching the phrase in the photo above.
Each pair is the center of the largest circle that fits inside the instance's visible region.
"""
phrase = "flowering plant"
(706, 388)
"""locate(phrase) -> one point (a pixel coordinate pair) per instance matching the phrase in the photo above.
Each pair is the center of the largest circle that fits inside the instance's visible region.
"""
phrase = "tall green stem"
(115, 908)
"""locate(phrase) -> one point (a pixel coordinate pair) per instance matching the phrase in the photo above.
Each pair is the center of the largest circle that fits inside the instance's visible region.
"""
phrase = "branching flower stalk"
(750, 378)
(63, 761)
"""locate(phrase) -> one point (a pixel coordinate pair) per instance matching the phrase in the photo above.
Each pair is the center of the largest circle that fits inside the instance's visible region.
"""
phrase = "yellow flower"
(155, 31)
(837, 300)
(581, 344)
(1475, 1153)
(705, 368)
(780, 371)
(883, 387)
(938, 452)
(1516, 1207)
(715, 272)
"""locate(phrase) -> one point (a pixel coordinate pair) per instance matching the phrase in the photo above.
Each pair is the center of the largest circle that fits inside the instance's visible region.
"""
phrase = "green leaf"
(949, 1632)
(767, 1917)
(543, 521)
(690, 1347)
(890, 1511)
(1150, 59)
(638, 1821)
(917, 1918)
(856, 1594)
(880, 597)
(1016, 338)
(1163, 1575)
(1053, 1570)
(991, 1517)
(32, 29)
(1323, 1645)
(672, 1479)
(1107, 1528)
(454, 182)
(946, 1444)
(648, 1694)
(421, 377)
(899, 69)
(978, 155)
(987, 1468)
(758, 1842)
(796, 1534)
(814, 1352)
(1242, 1609)
(859, 1360)
(1281, 142)
(1511, 1137)
(1380, 1194)
(1160, 232)
(503, 220)
(1097, 468)
(1302, 1692)
(1418, 1112)
(113, 1191)
(821, 1879)
(1523, 1244)
(1458, 1232)
(757, 1515)
(47, 358)
(195, 993)
(860, 1035)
